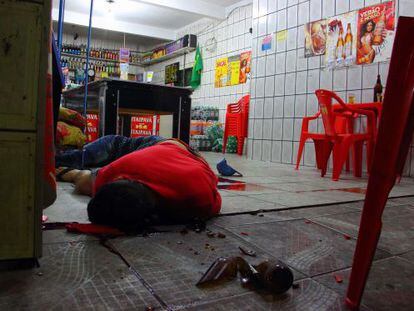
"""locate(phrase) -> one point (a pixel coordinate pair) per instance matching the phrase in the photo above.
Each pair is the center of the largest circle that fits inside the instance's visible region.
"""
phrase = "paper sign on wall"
(341, 40)
(245, 63)
(315, 38)
(233, 74)
(267, 43)
(376, 25)
(281, 35)
(221, 72)
(232, 70)
(171, 73)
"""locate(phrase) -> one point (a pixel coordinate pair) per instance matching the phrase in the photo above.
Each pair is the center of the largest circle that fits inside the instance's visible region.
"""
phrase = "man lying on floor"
(166, 181)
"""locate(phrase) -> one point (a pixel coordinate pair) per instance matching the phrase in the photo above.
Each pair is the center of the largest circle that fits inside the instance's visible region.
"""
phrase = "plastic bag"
(69, 135)
(72, 117)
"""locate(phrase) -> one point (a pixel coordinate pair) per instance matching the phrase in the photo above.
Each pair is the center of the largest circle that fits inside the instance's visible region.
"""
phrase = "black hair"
(124, 204)
(365, 26)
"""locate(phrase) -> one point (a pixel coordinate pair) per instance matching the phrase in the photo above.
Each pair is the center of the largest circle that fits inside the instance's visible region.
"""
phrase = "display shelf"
(176, 53)
(96, 58)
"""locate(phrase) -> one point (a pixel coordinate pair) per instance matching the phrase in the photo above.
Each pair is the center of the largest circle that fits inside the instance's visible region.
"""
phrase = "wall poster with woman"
(376, 26)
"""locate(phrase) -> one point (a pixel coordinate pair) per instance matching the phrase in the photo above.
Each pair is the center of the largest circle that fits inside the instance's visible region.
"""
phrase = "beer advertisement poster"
(245, 63)
(221, 72)
(233, 70)
(376, 25)
(315, 38)
(341, 40)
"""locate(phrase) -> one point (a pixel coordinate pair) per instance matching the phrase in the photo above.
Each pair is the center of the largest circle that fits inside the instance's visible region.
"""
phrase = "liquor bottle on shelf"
(348, 41)
(378, 90)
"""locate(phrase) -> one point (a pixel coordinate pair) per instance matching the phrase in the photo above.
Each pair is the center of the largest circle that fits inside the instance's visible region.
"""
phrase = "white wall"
(233, 37)
(284, 81)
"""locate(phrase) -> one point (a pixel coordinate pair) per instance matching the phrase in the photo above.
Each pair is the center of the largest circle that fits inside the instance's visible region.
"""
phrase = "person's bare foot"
(66, 174)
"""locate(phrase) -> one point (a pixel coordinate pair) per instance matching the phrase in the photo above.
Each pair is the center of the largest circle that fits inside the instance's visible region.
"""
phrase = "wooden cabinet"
(20, 28)
(24, 34)
(17, 193)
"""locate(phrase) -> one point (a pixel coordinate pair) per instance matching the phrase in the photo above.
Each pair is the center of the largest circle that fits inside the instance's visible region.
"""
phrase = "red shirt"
(183, 180)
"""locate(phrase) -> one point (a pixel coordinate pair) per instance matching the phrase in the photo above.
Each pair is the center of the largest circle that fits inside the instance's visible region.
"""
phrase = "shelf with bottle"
(97, 59)
(80, 50)
(98, 54)
(96, 69)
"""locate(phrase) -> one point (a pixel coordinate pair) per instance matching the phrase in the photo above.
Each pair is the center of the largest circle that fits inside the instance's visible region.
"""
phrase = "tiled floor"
(302, 221)
(268, 186)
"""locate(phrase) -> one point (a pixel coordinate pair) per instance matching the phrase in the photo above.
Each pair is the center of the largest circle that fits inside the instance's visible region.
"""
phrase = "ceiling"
(223, 2)
(135, 42)
(133, 12)
(159, 19)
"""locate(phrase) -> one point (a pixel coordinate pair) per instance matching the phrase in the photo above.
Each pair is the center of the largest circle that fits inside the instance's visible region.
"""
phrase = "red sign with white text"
(145, 125)
(92, 125)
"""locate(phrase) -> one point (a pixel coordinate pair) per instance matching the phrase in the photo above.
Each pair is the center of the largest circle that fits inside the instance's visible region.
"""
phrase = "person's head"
(369, 27)
(123, 204)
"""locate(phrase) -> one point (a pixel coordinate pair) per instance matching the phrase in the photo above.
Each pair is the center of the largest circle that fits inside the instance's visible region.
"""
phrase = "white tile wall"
(233, 37)
(342, 6)
(267, 129)
(266, 150)
(269, 86)
(268, 108)
(277, 129)
(278, 107)
(257, 150)
(289, 106)
(296, 77)
(315, 10)
(276, 151)
(287, 152)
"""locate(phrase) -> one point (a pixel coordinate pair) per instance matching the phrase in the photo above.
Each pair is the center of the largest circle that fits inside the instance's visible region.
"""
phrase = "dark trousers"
(103, 151)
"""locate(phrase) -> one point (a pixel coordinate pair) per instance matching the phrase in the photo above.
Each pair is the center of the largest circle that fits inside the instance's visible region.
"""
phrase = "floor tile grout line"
(284, 220)
(344, 233)
(284, 207)
(111, 248)
(206, 302)
(89, 278)
(365, 307)
(350, 267)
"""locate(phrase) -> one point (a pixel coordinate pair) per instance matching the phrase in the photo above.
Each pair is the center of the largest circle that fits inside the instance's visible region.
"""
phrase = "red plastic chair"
(393, 142)
(237, 117)
(338, 136)
(319, 141)
(341, 143)
(342, 126)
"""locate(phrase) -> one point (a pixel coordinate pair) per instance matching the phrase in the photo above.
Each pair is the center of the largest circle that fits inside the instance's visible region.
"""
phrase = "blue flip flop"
(226, 170)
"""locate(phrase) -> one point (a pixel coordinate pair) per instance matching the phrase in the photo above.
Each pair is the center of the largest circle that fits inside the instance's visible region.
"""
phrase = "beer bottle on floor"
(275, 276)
